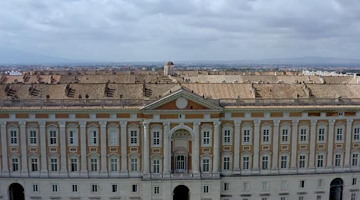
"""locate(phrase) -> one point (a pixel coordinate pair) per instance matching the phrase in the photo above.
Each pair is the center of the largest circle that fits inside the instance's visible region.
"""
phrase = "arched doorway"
(336, 189)
(181, 192)
(16, 192)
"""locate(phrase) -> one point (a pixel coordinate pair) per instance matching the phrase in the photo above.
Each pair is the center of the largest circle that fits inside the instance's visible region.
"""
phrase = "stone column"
(312, 144)
(195, 148)
(330, 144)
(104, 170)
(237, 146)
(348, 143)
(146, 156)
(24, 160)
(4, 148)
(43, 149)
(83, 147)
(294, 144)
(216, 142)
(63, 146)
(167, 150)
(275, 142)
(256, 145)
(124, 170)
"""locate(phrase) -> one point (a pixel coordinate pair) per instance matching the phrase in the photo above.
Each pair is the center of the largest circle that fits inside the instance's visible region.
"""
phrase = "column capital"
(22, 124)
(3, 124)
(349, 121)
(62, 124)
(42, 124)
(217, 123)
(295, 122)
(103, 124)
(257, 122)
(82, 124)
(196, 123)
(237, 123)
(314, 121)
(276, 122)
(123, 123)
(332, 122)
(145, 124)
(166, 124)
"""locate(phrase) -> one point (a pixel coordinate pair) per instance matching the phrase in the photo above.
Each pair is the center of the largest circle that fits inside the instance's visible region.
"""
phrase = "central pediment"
(183, 100)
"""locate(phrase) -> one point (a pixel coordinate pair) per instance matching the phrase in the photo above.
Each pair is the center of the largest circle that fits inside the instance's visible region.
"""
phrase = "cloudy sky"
(158, 30)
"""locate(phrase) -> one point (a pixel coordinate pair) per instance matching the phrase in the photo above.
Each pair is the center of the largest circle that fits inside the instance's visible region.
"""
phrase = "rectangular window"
(206, 189)
(156, 166)
(353, 196)
(53, 137)
(33, 137)
(71, 137)
(226, 186)
(265, 162)
(282, 198)
(354, 181)
(227, 137)
(318, 197)
(246, 163)
(246, 186)
(285, 135)
(134, 188)
(283, 163)
(206, 137)
(35, 188)
(156, 138)
(93, 164)
(133, 137)
(206, 165)
(302, 161)
(265, 185)
(15, 164)
(301, 198)
(54, 164)
(284, 185)
(93, 137)
(156, 190)
(337, 160)
(74, 188)
(302, 184)
(266, 135)
(73, 165)
(356, 134)
(355, 158)
(246, 136)
(320, 161)
(226, 163)
(339, 134)
(55, 188)
(13, 137)
(113, 164)
(114, 188)
(320, 183)
(303, 135)
(321, 135)
(34, 165)
(134, 164)
(113, 138)
(94, 188)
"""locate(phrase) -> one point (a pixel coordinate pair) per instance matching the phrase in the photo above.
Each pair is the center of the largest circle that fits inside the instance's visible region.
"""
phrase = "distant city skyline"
(40, 31)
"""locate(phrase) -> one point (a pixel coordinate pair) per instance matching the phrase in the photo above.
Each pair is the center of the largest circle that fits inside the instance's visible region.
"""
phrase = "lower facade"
(333, 186)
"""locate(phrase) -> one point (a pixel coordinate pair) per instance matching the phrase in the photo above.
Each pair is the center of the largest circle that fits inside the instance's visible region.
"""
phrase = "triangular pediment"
(185, 101)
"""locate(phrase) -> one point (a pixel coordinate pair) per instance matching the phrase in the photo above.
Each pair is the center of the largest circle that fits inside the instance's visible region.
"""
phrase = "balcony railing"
(141, 102)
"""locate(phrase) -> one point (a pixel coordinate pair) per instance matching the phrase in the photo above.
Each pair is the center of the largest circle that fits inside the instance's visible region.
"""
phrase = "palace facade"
(179, 141)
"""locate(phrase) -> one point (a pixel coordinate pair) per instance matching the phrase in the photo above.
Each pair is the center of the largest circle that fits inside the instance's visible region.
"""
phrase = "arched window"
(156, 135)
(73, 135)
(206, 135)
(133, 135)
(227, 133)
(93, 135)
(32, 135)
(53, 135)
(247, 134)
(13, 135)
(113, 138)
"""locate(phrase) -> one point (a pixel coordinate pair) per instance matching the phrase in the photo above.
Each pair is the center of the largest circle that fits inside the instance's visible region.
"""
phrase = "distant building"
(169, 68)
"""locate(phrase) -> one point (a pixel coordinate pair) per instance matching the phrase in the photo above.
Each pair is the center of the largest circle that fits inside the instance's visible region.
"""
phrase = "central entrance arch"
(180, 151)
(16, 192)
(181, 192)
(336, 189)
